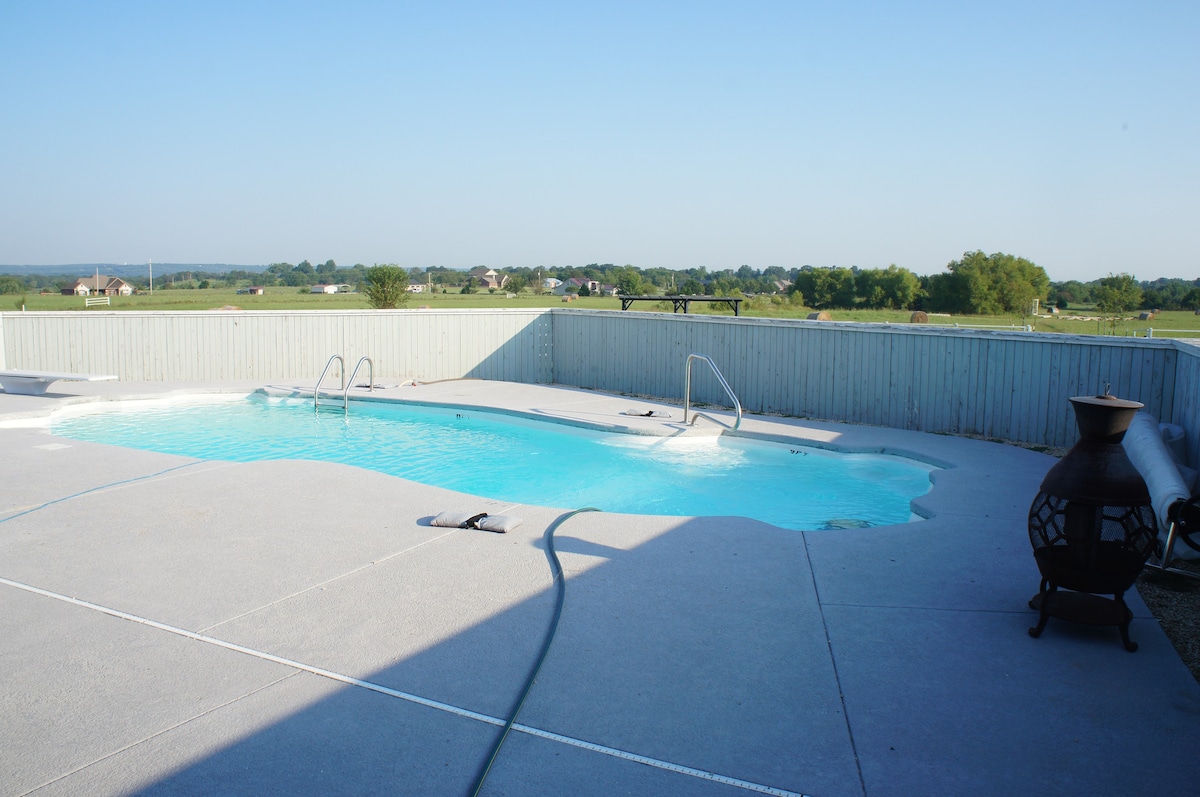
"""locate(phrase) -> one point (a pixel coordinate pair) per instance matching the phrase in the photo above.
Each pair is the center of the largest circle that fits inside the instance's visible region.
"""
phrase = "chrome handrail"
(687, 390)
(317, 389)
(350, 384)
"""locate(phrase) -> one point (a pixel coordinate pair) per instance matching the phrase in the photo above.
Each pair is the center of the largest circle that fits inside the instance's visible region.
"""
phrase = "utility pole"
(151, 264)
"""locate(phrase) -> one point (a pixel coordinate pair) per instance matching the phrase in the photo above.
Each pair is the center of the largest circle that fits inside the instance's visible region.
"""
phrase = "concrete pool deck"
(174, 626)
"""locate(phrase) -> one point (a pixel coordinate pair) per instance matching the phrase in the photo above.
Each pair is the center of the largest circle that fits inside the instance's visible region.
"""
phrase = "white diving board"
(36, 383)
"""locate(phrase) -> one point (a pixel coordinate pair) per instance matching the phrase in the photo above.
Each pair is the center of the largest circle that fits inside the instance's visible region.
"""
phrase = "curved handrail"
(317, 389)
(350, 384)
(687, 390)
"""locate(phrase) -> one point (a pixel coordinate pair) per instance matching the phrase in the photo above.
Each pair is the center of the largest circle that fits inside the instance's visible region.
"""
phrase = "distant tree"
(988, 285)
(386, 286)
(1165, 294)
(297, 278)
(12, 285)
(653, 278)
(845, 293)
(239, 275)
(893, 288)
(826, 287)
(516, 283)
(1118, 293)
(629, 281)
(1063, 294)
(350, 276)
(691, 287)
(327, 272)
(584, 290)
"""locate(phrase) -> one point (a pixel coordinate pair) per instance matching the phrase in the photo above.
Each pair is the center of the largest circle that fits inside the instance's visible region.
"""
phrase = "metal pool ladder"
(687, 391)
(346, 385)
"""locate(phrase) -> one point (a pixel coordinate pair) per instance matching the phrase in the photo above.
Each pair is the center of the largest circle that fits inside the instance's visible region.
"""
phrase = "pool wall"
(1005, 385)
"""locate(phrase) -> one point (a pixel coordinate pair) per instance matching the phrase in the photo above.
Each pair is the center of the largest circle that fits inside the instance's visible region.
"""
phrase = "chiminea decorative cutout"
(1091, 525)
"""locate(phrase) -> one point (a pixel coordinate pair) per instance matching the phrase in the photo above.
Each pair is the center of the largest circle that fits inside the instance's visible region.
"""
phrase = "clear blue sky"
(658, 134)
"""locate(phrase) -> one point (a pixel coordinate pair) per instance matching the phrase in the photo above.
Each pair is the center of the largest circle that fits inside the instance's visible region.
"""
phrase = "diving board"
(36, 383)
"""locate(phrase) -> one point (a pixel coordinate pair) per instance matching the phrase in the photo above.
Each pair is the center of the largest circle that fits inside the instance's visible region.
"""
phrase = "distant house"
(487, 277)
(416, 287)
(550, 283)
(98, 286)
(607, 290)
(323, 289)
(576, 282)
(256, 290)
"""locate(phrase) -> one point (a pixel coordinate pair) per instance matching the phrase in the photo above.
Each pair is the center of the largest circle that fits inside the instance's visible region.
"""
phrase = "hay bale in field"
(1145, 316)
(919, 317)
(821, 316)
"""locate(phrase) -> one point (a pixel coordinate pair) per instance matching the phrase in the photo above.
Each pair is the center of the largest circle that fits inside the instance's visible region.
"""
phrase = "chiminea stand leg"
(1082, 607)
(1129, 644)
(1039, 602)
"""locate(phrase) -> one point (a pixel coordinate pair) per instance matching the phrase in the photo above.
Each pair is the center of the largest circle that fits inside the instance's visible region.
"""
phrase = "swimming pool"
(519, 460)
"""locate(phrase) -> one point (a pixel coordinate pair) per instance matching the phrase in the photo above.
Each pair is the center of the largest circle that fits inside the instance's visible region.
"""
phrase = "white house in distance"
(99, 285)
(330, 289)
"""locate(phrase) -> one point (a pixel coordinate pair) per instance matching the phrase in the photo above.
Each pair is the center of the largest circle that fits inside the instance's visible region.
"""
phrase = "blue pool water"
(532, 462)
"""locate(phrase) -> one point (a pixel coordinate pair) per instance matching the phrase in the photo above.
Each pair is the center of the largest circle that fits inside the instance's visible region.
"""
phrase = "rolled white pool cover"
(1150, 455)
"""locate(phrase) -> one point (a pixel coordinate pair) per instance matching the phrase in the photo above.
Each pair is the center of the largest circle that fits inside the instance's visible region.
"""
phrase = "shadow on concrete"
(701, 645)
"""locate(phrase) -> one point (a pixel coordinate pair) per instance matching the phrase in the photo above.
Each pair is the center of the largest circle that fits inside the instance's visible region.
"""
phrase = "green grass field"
(1076, 321)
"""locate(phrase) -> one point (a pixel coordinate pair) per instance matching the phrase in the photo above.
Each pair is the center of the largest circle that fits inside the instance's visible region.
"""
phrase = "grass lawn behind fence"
(1076, 321)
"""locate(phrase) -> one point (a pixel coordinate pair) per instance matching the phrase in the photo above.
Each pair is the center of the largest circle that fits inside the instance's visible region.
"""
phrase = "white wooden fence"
(1003, 385)
(273, 345)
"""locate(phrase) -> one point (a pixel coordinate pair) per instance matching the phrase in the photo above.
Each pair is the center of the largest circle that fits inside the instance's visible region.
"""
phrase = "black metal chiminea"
(1091, 525)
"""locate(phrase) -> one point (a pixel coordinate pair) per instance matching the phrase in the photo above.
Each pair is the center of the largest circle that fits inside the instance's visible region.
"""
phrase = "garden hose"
(560, 580)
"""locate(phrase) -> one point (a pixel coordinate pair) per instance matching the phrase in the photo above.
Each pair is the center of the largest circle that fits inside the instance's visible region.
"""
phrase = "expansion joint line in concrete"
(328, 581)
(103, 487)
(411, 698)
(833, 663)
(162, 732)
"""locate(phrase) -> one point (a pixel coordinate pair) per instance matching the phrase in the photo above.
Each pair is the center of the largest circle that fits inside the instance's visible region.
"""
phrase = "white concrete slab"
(955, 702)
(78, 687)
(877, 661)
(305, 735)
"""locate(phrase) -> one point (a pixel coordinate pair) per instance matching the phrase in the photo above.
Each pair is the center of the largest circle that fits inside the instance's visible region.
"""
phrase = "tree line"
(976, 283)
